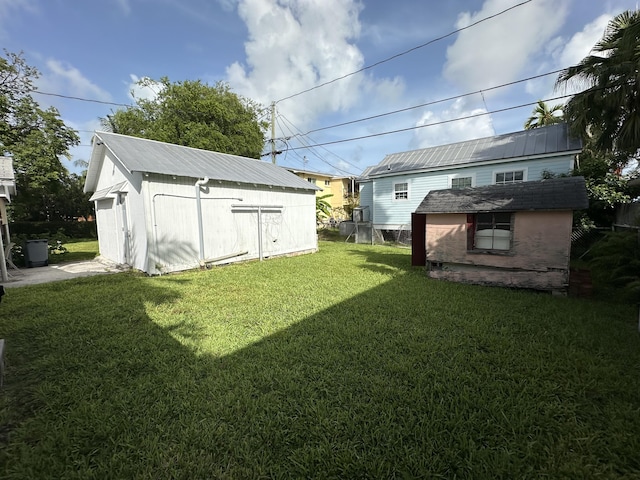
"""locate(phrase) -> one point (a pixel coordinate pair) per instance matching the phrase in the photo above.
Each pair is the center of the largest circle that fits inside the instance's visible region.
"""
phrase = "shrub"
(615, 265)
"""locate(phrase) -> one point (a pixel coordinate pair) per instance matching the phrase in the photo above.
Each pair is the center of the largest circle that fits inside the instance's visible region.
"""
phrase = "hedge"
(47, 229)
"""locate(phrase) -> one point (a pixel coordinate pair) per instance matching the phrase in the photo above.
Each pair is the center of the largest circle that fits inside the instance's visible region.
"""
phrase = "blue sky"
(268, 50)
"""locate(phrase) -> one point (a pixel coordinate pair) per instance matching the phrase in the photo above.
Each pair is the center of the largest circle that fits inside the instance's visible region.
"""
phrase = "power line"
(82, 99)
(323, 148)
(434, 102)
(393, 57)
(435, 123)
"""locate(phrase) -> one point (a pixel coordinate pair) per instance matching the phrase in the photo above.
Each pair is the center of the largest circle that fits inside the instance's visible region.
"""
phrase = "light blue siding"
(388, 213)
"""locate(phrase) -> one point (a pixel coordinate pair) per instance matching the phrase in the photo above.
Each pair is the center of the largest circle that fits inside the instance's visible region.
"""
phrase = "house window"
(461, 182)
(489, 231)
(327, 183)
(502, 178)
(311, 180)
(401, 191)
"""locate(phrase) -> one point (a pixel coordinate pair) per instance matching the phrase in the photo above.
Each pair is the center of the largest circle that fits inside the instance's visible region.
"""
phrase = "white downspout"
(199, 184)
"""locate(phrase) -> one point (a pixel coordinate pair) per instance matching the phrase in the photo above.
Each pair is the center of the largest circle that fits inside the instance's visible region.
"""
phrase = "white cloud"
(149, 91)
(62, 77)
(478, 126)
(294, 45)
(582, 42)
(565, 53)
(498, 50)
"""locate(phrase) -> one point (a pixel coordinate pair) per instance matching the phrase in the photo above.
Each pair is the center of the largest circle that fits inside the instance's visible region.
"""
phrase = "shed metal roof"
(565, 193)
(544, 141)
(150, 156)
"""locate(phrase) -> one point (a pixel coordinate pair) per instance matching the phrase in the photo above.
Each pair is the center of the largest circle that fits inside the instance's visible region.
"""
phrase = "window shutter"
(471, 230)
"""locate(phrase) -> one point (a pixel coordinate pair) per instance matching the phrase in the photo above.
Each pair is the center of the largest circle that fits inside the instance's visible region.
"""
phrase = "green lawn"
(347, 363)
(76, 250)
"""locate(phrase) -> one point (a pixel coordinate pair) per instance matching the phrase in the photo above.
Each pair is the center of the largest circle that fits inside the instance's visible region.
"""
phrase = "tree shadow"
(400, 380)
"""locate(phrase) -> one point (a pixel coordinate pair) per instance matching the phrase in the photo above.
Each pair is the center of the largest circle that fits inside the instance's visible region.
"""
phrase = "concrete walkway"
(61, 271)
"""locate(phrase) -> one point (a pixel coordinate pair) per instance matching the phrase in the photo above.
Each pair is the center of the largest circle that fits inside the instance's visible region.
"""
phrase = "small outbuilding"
(515, 235)
(162, 207)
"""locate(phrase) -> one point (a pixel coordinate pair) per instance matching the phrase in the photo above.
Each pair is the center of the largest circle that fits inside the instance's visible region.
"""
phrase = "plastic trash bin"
(36, 253)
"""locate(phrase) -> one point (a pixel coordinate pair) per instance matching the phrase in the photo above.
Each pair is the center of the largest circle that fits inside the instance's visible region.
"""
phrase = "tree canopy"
(542, 116)
(608, 109)
(36, 138)
(194, 114)
(606, 114)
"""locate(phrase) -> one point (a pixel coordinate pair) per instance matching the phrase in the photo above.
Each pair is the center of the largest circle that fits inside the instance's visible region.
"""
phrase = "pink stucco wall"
(539, 257)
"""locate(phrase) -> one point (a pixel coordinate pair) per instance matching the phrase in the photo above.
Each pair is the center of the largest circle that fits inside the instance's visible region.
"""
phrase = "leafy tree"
(323, 207)
(542, 116)
(36, 139)
(194, 114)
(608, 109)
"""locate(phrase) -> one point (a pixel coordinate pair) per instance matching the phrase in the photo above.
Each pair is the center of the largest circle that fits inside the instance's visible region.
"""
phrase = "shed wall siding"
(110, 225)
(390, 213)
(111, 173)
(107, 231)
(539, 257)
(227, 230)
(138, 223)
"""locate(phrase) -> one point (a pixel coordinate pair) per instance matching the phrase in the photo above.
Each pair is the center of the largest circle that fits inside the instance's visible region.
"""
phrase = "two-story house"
(393, 189)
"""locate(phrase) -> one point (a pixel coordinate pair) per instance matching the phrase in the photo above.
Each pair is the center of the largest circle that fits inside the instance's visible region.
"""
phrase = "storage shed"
(163, 208)
(516, 235)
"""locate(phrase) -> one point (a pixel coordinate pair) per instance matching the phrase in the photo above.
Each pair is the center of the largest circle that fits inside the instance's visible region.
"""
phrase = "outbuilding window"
(490, 231)
(401, 191)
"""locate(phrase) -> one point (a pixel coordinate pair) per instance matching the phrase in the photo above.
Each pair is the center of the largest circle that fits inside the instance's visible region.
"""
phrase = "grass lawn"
(76, 250)
(347, 363)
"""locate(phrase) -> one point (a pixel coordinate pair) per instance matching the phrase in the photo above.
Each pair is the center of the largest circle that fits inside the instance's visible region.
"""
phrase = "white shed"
(162, 207)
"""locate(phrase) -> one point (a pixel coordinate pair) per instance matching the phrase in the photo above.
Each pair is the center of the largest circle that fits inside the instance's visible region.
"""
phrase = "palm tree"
(543, 116)
(608, 109)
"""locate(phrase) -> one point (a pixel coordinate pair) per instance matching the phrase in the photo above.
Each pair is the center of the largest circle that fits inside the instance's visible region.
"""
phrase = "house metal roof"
(565, 193)
(150, 156)
(543, 141)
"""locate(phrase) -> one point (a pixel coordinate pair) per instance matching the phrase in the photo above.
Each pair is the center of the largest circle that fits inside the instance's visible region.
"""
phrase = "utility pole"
(273, 132)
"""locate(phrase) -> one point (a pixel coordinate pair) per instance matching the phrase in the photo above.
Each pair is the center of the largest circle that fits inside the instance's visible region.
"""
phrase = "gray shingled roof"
(550, 140)
(150, 156)
(565, 193)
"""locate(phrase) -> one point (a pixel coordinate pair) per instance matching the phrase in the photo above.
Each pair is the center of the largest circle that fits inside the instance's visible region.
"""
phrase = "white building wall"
(229, 223)
(106, 226)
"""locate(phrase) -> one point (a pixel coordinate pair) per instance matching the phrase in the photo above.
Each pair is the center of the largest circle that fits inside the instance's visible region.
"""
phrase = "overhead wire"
(81, 99)
(323, 148)
(300, 159)
(433, 102)
(397, 55)
(441, 122)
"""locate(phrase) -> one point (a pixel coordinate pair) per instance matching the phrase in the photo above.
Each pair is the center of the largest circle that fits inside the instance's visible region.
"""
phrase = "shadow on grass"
(411, 378)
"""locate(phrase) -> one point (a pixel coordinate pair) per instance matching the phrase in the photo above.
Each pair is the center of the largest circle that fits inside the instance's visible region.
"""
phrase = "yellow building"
(340, 188)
